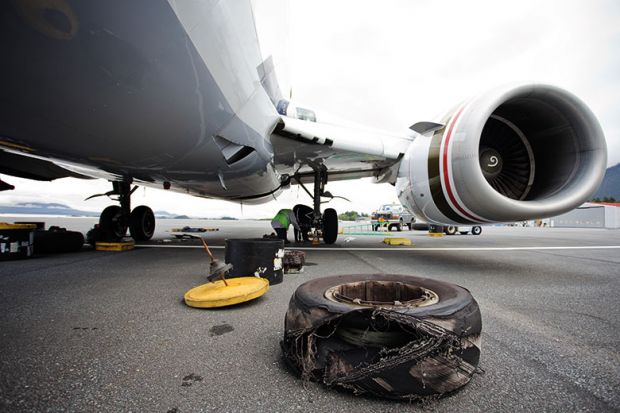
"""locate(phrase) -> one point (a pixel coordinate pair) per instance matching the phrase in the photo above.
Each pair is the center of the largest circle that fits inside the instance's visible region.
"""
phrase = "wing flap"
(347, 152)
(341, 138)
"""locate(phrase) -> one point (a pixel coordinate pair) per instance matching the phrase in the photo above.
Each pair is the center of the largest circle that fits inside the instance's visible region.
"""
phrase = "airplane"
(176, 94)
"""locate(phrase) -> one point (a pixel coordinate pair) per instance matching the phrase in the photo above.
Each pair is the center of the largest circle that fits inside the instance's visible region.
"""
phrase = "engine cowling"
(515, 153)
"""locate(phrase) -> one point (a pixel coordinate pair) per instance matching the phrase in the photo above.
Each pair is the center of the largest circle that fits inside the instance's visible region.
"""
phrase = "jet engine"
(515, 153)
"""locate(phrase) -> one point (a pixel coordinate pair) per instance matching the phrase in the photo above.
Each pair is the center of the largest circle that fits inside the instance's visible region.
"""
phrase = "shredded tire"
(366, 344)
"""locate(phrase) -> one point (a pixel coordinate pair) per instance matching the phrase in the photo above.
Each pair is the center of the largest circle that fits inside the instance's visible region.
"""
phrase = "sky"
(393, 63)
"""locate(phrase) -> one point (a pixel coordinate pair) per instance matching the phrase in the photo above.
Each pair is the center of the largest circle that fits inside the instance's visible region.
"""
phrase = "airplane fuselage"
(148, 90)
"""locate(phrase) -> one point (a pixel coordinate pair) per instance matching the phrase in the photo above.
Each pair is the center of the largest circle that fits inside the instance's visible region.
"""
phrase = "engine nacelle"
(515, 153)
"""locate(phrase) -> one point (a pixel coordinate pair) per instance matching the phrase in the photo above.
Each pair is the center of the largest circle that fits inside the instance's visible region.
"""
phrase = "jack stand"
(315, 239)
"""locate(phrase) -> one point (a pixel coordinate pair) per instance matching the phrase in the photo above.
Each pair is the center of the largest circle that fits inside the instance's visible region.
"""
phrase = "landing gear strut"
(116, 219)
(328, 221)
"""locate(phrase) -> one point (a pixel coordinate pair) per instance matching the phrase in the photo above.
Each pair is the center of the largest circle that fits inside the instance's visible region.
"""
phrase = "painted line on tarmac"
(584, 247)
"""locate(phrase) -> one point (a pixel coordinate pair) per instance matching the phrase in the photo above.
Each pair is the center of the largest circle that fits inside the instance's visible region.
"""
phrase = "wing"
(347, 152)
(27, 167)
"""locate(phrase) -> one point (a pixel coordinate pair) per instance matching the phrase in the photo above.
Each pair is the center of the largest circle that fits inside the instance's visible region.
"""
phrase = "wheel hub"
(382, 293)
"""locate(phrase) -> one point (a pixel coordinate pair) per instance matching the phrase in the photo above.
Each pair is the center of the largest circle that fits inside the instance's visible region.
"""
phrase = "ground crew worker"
(280, 223)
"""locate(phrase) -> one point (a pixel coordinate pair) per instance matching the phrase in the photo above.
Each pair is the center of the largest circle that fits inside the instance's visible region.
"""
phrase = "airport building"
(590, 215)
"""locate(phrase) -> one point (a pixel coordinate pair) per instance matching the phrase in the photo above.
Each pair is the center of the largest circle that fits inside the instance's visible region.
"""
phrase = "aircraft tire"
(111, 224)
(327, 338)
(330, 226)
(142, 223)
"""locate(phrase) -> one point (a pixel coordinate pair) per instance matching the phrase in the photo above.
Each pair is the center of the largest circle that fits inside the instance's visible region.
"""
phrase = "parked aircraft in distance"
(177, 95)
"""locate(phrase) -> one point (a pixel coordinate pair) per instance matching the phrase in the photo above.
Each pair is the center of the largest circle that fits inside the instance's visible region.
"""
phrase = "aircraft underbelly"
(128, 89)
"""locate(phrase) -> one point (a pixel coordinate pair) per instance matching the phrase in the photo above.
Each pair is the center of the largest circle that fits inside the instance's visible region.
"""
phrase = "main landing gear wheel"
(330, 226)
(142, 223)
(112, 224)
(115, 220)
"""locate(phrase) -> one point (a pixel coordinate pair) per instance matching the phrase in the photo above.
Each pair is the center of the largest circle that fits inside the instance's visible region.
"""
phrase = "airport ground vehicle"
(451, 229)
(179, 96)
(393, 216)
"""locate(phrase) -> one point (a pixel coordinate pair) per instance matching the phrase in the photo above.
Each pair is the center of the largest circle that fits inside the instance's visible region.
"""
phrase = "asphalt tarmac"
(105, 331)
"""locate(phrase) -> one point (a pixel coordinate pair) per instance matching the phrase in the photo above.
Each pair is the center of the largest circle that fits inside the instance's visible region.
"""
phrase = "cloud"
(392, 65)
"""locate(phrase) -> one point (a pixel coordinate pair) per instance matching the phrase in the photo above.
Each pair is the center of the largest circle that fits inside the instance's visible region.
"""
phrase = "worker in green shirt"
(280, 223)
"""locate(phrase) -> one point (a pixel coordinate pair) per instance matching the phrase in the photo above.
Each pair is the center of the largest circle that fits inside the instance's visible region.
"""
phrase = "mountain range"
(611, 184)
(43, 208)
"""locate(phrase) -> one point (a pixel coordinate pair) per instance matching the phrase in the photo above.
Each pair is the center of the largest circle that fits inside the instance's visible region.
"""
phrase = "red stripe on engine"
(446, 178)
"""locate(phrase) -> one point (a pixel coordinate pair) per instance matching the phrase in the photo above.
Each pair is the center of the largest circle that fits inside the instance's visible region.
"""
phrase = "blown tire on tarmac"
(392, 336)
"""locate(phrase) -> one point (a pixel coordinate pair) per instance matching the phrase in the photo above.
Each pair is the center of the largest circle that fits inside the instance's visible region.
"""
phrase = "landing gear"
(115, 220)
(327, 222)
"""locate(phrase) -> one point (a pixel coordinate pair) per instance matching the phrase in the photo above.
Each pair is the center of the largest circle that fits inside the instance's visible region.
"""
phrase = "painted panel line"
(582, 247)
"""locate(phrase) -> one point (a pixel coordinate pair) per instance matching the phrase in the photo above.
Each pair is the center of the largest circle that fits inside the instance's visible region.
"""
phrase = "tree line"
(351, 215)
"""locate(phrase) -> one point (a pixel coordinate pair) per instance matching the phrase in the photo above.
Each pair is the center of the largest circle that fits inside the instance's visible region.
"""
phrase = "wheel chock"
(218, 294)
(435, 234)
(397, 241)
(115, 246)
